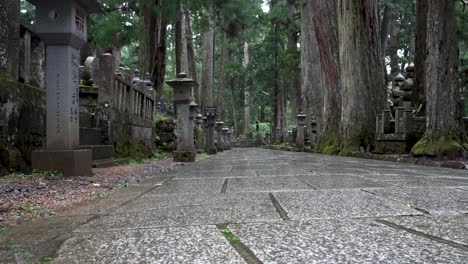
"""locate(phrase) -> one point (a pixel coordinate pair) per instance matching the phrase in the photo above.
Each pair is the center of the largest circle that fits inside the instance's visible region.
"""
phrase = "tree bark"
(386, 27)
(362, 72)
(207, 76)
(222, 76)
(326, 33)
(294, 83)
(420, 51)
(191, 58)
(444, 123)
(233, 107)
(246, 91)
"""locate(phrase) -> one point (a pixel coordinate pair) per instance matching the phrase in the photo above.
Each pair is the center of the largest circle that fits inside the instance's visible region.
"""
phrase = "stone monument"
(62, 26)
(199, 144)
(182, 97)
(301, 117)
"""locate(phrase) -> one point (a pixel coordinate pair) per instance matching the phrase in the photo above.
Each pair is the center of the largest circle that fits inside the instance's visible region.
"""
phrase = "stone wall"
(9, 38)
(22, 123)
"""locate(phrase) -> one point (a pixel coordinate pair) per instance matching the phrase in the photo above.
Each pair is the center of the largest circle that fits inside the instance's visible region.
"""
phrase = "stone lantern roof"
(91, 6)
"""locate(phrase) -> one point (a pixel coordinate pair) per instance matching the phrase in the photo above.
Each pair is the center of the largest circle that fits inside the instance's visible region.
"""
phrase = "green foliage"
(161, 155)
(229, 235)
(264, 128)
(33, 174)
(120, 186)
(30, 208)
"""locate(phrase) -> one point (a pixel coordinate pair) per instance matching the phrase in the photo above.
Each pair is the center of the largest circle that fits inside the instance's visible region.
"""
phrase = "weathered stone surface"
(267, 184)
(338, 204)
(342, 241)
(198, 244)
(190, 186)
(436, 201)
(340, 182)
(452, 228)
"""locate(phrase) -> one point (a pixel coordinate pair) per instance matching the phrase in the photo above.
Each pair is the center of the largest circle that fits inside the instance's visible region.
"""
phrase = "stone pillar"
(185, 146)
(9, 38)
(300, 129)
(227, 144)
(102, 70)
(62, 26)
(193, 116)
(219, 135)
(210, 114)
(199, 143)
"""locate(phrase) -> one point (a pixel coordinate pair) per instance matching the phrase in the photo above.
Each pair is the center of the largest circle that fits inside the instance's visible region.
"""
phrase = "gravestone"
(199, 144)
(62, 26)
(182, 96)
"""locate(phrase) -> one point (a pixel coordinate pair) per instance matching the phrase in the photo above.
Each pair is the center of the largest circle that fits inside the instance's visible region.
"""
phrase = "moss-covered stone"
(437, 147)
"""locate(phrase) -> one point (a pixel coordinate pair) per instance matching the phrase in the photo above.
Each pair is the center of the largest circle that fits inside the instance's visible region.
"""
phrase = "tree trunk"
(294, 83)
(234, 110)
(207, 76)
(444, 123)
(246, 92)
(222, 76)
(362, 72)
(191, 58)
(386, 27)
(420, 51)
(326, 33)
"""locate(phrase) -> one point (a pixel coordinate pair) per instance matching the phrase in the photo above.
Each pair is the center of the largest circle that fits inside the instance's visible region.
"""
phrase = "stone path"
(265, 206)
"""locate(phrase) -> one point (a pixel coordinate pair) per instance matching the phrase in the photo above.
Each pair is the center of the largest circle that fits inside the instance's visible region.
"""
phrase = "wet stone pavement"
(264, 206)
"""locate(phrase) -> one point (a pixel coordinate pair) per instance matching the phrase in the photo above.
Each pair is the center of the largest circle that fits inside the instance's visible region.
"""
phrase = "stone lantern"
(229, 137)
(62, 26)
(300, 129)
(182, 96)
(407, 87)
(210, 114)
(227, 144)
(219, 134)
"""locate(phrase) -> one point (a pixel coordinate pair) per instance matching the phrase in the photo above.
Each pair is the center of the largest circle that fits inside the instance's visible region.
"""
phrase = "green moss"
(434, 147)
(348, 150)
(136, 152)
(329, 143)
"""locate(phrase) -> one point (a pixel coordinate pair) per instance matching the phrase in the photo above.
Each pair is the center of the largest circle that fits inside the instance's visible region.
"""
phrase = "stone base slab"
(211, 151)
(184, 156)
(68, 162)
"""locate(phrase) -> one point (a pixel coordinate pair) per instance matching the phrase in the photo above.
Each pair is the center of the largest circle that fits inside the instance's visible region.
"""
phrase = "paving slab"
(337, 204)
(342, 241)
(436, 201)
(203, 174)
(340, 182)
(218, 209)
(242, 173)
(267, 184)
(254, 167)
(284, 172)
(195, 244)
(189, 186)
(452, 228)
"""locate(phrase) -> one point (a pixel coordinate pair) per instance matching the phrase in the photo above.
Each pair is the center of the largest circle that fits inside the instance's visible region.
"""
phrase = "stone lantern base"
(184, 156)
(68, 162)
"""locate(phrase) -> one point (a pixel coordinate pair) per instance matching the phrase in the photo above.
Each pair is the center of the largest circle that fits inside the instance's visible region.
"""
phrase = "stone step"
(106, 163)
(100, 152)
(90, 136)
(86, 120)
